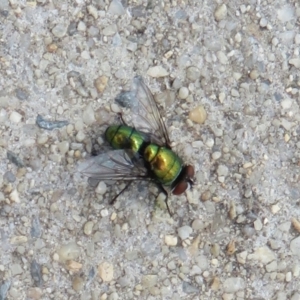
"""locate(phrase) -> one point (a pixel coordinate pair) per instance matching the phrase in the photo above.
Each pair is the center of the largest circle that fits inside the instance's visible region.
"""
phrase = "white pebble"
(101, 188)
(210, 142)
(216, 155)
(68, 251)
(81, 26)
(110, 30)
(88, 227)
(275, 209)
(171, 240)
(15, 117)
(88, 115)
(258, 225)
(295, 62)
(286, 13)
(116, 8)
(14, 196)
(222, 58)
(221, 12)
(92, 10)
(263, 22)
(183, 93)
(184, 232)
(221, 97)
(222, 170)
(79, 125)
(104, 213)
(63, 147)
(286, 103)
(80, 136)
(157, 71)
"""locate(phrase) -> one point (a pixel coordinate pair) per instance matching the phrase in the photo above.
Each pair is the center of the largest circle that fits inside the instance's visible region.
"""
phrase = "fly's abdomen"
(124, 137)
(165, 164)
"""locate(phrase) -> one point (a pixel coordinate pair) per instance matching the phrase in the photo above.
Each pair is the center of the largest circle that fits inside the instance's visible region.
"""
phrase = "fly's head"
(185, 180)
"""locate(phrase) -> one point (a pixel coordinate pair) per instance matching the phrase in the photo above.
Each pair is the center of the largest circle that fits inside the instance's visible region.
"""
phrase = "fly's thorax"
(124, 137)
(164, 163)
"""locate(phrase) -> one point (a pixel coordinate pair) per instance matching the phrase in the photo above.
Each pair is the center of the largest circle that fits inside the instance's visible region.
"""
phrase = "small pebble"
(42, 139)
(183, 93)
(106, 271)
(80, 136)
(263, 254)
(88, 227)
(101, 188)
(216, 155)
(171, 240)
(18, 239)
(222, 58)
(63, 147)
(14, 196)
(215, 284)
(104, 213)
(88, 116)
(258, 225)
(100, 83)
(73, 266)
(69, 251)
(184, 232)
(16, 269)
(263, 22)
(157, 72)
(254, 74)
(215, 249)
(81, 26)
(15, 117)
(59, 30)
(192, 74)
(116, 8)
(295, 62)
(92, 10)
(296, 224)
(233, 284)
(295, 246)
(275, 209)
(242, 257)
(21, 94)
(9, 176)
(110, 30)
(78, 283)
(149, 281)
(52, 48)
(36, 273)
(222, 170)
(221, 12)
(286, 103)
(198, 114)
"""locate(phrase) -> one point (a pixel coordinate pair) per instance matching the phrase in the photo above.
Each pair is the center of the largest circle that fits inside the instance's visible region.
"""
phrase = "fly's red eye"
(190, 172)
(180, 188)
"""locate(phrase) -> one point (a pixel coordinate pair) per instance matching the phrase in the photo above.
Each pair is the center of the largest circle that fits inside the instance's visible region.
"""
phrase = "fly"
(142, 148)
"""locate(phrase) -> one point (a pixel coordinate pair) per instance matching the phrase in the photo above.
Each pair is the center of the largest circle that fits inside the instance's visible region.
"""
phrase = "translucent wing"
(145, 115)
(113, 165)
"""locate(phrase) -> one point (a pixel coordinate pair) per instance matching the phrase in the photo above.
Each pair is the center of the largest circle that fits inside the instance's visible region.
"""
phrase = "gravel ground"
(227, 78)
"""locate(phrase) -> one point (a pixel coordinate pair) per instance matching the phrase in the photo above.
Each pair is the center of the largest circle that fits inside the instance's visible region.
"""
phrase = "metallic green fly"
(142, 147)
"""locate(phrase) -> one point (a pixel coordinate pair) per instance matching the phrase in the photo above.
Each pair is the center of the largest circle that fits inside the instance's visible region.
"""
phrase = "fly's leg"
(121, 118)
(113, 200)
(162, 189)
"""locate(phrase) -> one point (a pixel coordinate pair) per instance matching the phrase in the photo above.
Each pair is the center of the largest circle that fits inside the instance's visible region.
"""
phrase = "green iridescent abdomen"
(165, 164)
(124, 137)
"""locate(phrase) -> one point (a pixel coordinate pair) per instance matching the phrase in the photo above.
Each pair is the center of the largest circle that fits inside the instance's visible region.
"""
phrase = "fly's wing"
(145, 115)
(113, 165)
